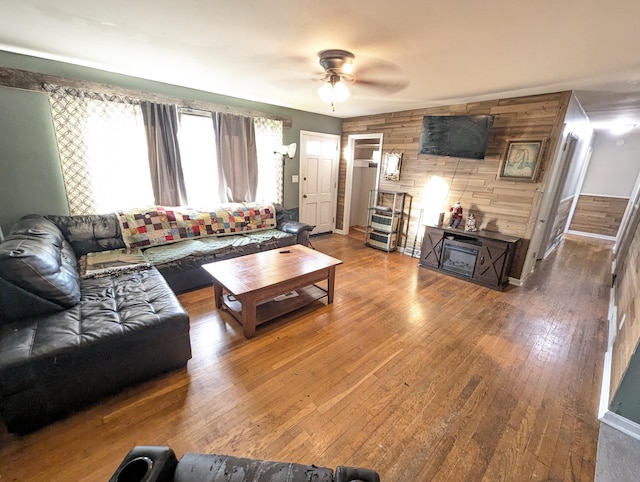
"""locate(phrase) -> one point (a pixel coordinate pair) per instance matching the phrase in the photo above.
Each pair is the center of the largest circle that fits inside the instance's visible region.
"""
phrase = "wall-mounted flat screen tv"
(464, 136)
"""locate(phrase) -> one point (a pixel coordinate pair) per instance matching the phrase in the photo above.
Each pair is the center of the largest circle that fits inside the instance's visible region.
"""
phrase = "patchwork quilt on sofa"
(161, 225)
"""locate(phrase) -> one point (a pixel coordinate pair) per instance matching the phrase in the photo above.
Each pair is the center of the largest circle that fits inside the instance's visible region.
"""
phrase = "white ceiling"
(446, 52)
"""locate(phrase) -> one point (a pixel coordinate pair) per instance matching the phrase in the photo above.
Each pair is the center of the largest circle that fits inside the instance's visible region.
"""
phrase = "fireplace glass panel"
(459, 259)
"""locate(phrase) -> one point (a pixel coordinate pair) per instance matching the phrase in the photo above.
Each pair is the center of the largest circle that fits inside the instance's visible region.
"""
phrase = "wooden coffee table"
(251, 287)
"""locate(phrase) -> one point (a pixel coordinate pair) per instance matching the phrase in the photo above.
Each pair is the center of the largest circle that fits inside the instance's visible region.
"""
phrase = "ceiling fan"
(340, 69)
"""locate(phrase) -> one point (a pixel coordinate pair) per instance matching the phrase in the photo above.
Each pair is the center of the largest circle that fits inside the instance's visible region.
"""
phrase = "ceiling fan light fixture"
(337, 61)
(340, 91)
(326, 92)
(338, 65)
(334, 90)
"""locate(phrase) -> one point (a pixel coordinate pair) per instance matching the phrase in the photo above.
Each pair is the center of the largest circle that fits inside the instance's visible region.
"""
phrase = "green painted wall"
(30, 177)
(626, 401)
(30, 174)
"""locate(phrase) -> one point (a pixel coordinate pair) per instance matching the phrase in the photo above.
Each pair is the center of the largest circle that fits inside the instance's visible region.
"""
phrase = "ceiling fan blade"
(380, 75)
(389, 86)
(374, 67)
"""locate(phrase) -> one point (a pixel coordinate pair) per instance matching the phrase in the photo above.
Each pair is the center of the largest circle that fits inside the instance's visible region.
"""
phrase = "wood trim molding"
(25, 80)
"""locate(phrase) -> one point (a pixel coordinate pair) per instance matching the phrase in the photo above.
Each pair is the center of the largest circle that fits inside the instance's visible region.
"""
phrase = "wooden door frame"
(348, 188)
(628, 226)
(546, 193)
(569, 150)
(576, 197)
(334, 171)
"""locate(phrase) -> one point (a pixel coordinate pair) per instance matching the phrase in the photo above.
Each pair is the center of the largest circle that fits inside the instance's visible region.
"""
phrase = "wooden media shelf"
(482, 257)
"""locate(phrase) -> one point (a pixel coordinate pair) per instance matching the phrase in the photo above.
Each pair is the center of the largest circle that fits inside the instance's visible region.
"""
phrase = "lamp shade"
(333, 91)
(289, 150)
(340, 91)
(326, 92)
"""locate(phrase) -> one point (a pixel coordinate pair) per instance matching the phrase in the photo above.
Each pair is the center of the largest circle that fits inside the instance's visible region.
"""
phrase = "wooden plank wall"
(509, 207)
(599, 215)
(564, 209)
(627, 290)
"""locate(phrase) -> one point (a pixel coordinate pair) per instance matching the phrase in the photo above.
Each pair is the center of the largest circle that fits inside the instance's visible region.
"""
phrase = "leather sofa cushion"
(269, 235)
(194, 253)
(126, 328)
(112, 308)
(90, 233)
(37, 227)
(37, 259)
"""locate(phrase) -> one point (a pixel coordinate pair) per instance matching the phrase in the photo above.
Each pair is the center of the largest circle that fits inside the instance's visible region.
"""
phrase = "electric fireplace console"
(483, 257)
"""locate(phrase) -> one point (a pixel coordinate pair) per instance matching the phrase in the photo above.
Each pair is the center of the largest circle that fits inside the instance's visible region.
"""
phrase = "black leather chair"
(159, 464)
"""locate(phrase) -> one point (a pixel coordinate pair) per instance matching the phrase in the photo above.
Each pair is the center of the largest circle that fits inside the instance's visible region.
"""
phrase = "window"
(198, 154)
(117, 156)
(270, 165)
(103, 151)
(104, 157)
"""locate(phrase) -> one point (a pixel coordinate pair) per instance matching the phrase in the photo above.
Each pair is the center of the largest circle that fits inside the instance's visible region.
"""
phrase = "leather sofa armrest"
(149, 463)
(301, 230)
(18, 303)
(349, 474)
(159, 464)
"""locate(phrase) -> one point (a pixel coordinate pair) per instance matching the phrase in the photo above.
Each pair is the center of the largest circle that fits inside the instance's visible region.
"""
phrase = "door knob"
(304, 196)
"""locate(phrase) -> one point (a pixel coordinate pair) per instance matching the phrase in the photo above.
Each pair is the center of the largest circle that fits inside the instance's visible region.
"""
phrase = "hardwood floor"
(410, 372)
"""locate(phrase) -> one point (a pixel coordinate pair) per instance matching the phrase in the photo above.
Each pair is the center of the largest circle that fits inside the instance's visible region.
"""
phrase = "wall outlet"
(294, 179)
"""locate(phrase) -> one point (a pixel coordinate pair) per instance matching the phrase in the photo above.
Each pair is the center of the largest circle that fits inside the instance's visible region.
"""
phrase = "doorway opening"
(364, 152)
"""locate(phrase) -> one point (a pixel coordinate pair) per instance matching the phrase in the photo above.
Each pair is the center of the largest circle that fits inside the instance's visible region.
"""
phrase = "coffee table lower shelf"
(270, 309)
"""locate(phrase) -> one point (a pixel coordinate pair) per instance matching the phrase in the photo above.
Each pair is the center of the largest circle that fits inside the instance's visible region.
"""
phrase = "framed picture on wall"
(521, 160)
(392, 166)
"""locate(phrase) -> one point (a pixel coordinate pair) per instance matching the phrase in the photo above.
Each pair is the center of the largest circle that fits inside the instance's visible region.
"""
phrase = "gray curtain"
(161, 126)
(237, 157)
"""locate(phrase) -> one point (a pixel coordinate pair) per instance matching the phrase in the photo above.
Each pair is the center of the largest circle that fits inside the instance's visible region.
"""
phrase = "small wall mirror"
(392, 164)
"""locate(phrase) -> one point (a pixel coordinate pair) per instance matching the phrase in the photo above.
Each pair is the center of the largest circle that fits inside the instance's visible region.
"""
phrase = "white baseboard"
(605, 387)
(624, 425)
(591, 235)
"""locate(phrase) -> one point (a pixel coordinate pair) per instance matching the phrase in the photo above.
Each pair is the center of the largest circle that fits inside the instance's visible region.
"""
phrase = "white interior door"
(319, 180)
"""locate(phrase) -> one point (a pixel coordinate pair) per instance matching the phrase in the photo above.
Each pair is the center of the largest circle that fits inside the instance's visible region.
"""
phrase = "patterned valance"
(61, 90)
